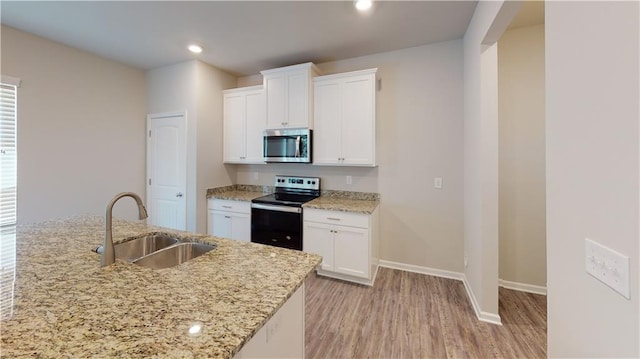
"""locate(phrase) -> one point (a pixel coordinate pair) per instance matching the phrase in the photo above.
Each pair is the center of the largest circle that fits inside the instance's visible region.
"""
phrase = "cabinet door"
(351, 251)
(358, 120)
(233, 130)
(220, 224)
(255, 124)
(276, 92)
(327, 119)
(240, 227)
(318, 239)
(298, 99)
(283, 334)
(210, 222)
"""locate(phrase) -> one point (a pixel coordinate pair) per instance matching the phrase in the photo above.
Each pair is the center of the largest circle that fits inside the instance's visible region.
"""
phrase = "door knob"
(179, 194)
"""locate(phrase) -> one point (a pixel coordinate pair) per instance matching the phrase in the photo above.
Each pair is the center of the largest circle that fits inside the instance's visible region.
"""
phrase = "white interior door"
(167, 170)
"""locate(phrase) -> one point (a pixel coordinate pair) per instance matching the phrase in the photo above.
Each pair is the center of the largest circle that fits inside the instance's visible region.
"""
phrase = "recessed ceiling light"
(363, 5)
(195, 49)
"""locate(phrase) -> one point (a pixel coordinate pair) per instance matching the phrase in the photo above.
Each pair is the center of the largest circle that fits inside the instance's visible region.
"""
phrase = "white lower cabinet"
(318, 239)
(347, 243)
(283, 335)
(229, 219)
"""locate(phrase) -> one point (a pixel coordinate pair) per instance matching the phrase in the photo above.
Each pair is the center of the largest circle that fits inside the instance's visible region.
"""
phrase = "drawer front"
(229, 206)
(338, 218)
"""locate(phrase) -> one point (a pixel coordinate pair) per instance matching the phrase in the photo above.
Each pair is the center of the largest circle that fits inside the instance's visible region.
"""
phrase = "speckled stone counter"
(66, 305)
(344, 201)
(239, 192)
(343, 204)
(236, 195)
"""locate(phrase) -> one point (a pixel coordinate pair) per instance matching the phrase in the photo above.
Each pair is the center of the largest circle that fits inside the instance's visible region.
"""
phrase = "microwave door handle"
(297, 147)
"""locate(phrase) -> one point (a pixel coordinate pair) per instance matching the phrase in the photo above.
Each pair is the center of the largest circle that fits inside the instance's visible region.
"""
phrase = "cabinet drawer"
(229, 206)
(338, 218)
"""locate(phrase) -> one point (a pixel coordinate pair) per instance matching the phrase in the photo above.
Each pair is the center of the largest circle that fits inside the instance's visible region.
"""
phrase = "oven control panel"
(297, 182)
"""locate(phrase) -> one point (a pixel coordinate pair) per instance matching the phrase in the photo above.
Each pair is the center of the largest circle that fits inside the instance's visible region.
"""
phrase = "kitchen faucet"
(108, 251)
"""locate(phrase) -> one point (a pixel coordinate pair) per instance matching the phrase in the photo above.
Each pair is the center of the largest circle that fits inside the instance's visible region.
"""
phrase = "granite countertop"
(237, 195)
(364, 206)
(344, 201)
(66, 305)
(236, 192)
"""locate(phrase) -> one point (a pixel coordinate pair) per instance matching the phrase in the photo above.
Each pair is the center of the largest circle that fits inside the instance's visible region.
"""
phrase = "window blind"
(8, 154)
(8, 196)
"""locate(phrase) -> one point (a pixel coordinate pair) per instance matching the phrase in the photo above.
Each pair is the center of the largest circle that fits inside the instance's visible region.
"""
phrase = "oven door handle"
(276, 208)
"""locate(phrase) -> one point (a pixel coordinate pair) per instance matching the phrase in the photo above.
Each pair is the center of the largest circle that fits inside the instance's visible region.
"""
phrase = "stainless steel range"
(276, 219)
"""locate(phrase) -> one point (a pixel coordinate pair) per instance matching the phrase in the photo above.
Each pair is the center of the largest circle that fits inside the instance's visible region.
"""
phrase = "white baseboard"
(529, 288)
(482, 316)
(422, 270)
(347, 278)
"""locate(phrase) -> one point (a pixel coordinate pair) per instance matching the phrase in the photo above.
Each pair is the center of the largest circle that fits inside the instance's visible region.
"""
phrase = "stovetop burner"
(292, 191)
(294, 200)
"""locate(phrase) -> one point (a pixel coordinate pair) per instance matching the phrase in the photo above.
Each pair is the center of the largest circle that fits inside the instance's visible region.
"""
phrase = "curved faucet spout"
(108, 254)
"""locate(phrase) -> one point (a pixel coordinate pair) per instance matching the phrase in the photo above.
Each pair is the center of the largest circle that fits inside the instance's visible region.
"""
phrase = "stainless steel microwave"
(287, 145)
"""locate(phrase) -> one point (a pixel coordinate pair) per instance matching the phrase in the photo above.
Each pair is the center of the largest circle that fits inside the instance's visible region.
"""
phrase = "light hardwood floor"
(410, 315)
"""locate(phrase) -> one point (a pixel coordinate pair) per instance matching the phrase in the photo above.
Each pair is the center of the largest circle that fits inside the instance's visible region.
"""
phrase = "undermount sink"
(174, 255)
(142, 246)
(159, 250)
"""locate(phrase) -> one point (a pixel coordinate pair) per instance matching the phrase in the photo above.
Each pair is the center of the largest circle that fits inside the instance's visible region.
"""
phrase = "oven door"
(279, 226)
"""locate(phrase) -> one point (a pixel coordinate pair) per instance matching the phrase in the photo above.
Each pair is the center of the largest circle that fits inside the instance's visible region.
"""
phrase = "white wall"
(173, 89)
(211, 172)
(489, 21)
(592, 114)
(196, 88)
(419, 125)
(522, 222)
(81, 126)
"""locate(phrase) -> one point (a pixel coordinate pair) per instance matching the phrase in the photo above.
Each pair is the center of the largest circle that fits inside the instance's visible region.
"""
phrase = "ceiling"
(240, 37)
(530, 13)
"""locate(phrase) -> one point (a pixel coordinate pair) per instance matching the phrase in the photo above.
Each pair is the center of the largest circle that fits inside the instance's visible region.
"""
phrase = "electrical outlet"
(466, 261)
(608, 266)
(349, 180)
(256, 176)
(437, 182)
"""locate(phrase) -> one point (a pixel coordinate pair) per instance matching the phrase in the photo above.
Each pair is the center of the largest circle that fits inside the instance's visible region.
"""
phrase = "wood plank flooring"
(410, 315)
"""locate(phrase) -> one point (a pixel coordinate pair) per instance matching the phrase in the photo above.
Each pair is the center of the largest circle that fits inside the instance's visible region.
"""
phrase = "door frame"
(149, 191)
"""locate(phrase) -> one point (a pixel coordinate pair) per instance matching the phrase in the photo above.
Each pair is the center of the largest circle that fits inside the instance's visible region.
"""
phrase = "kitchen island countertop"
(66, 305)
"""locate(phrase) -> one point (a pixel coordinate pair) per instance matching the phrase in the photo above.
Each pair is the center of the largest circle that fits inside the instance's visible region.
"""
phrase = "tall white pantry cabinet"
(344, 119)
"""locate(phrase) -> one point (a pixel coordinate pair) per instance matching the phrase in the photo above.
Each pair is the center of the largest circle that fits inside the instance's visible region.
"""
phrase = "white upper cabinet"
(327, 136)
(244, 123)
(345, 119)
(289, 94)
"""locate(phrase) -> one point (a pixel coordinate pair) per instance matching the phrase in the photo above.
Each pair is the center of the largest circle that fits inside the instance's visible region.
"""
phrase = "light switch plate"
(608, 266)
(437, 182)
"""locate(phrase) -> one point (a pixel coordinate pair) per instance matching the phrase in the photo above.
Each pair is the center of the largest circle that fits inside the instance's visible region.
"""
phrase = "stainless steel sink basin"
(174, 255)
(142, 246)
(159, 250)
